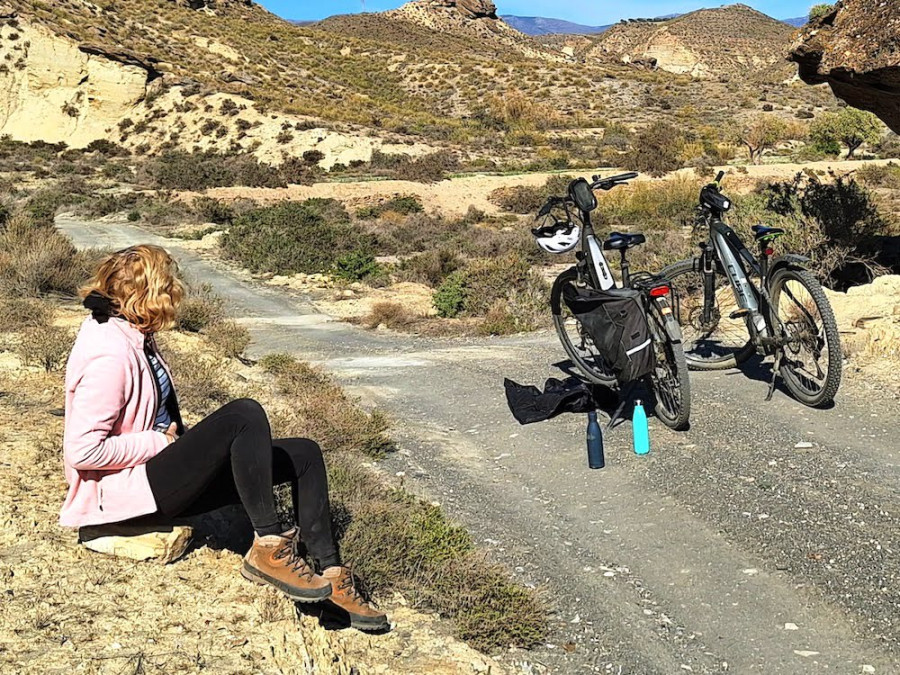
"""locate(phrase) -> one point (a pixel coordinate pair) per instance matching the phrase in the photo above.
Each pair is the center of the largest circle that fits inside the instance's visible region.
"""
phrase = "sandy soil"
(455, 196)
(66, 609)
(869, 320)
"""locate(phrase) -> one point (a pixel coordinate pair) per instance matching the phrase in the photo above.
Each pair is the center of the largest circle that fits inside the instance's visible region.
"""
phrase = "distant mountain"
(302, 23)
(539, 25)
(799, 22)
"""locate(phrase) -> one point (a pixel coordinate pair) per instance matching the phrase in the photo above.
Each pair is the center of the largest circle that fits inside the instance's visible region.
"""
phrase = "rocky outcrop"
(477, 9)
(856, 50)
(52, 89)
(471, 9)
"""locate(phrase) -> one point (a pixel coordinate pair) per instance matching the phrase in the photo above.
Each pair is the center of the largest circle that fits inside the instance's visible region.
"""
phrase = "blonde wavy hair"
(142, 285)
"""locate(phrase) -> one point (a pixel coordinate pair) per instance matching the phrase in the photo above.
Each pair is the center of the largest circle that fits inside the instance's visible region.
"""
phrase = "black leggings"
(230, 458)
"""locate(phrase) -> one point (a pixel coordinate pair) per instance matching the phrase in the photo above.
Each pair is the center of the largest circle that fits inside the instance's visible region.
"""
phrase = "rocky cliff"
(53, 89)
(856, 50)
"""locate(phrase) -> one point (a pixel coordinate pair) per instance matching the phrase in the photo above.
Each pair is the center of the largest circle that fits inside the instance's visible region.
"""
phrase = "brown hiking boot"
(348, 603)
(275, 560)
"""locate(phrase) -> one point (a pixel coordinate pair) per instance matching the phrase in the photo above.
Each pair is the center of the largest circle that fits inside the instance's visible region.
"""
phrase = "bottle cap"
(638, 402)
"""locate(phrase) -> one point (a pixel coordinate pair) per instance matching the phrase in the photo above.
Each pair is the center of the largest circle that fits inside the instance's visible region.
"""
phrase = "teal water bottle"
(641, 430)
(596, 460)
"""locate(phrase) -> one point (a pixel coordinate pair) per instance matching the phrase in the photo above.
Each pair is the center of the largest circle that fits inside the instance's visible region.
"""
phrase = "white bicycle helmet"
(560, 236)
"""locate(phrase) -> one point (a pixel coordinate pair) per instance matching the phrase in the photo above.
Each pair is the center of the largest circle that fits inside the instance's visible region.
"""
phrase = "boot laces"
(291, 550)
(349, 585)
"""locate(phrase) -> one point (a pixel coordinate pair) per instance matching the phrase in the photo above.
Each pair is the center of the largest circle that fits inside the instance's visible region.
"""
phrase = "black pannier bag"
(616, 322)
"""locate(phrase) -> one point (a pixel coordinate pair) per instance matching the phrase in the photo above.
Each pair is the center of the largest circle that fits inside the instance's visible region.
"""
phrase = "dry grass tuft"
(46, 346)
(391, 315)
(229, 337)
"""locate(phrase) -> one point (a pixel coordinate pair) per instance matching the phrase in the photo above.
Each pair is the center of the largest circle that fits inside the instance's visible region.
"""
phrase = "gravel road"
(764, 540)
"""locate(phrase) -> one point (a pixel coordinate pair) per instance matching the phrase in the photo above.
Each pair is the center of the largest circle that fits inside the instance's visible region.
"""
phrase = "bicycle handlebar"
(611, 181)
(719, 177)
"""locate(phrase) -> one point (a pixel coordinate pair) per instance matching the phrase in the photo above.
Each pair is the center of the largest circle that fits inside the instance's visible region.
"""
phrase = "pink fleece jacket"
(111, 403)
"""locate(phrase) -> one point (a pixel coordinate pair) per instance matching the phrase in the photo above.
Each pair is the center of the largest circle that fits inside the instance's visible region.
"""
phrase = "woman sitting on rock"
(128, 455)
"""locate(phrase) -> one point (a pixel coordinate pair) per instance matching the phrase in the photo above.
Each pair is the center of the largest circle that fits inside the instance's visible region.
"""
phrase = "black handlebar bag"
(616, 322)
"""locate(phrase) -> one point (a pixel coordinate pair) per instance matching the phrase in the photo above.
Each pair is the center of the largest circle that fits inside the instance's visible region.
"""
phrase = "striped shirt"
(163, 417)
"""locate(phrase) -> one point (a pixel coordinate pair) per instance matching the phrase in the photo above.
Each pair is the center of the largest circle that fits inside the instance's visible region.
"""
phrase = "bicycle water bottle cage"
(715, 201)
(763, 233)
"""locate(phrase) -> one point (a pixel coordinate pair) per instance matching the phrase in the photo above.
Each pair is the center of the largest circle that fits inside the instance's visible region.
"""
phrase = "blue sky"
(591, 13)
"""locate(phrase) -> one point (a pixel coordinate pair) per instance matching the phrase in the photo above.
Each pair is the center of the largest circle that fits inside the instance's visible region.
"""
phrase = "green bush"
(292, 237)
(404, 205)
(506, 290)
(197, 171)
(820, 11)
(356, 266)
(450, 298)
(213, 211)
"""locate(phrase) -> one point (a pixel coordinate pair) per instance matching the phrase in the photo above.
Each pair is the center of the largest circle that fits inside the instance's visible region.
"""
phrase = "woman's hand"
(172, 433)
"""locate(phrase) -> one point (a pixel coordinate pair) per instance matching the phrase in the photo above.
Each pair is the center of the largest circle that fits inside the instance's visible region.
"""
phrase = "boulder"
(477, 9)
(856, 50)
(164, 543)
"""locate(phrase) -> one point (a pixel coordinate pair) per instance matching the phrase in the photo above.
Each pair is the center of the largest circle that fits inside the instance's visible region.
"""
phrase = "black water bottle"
(595, 443)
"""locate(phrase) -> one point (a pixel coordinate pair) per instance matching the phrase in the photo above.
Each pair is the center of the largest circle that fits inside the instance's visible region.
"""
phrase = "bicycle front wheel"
(720, 342)
(574, 338)
(801, 314)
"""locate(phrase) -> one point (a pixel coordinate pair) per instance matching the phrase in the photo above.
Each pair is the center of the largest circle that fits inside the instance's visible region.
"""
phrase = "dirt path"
(729, 548)
(453, 197)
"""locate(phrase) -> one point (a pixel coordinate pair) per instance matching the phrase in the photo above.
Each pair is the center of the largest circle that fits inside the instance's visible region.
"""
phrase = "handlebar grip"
(720, 177)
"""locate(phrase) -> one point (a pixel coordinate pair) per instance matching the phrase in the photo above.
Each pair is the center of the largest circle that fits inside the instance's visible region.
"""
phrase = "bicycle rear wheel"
(575, 340)
(670, 378)
(720, 343)
(811, 363)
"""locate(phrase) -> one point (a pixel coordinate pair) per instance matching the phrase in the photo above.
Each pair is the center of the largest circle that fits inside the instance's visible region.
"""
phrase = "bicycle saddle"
(618, 241)
(762, 232)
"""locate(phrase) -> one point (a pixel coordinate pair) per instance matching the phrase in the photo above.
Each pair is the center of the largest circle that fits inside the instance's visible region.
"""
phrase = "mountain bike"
(591, 280)
(731, 304)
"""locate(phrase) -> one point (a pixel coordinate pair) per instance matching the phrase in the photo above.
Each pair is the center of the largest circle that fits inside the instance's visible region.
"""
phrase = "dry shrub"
(431, 267)
(229, 337)
(527, 199)
(321, 410)
(18, 313)
(392, 315)
(199, 309)
(200, 381)
(37, 259)
(45, 346)
(400, 543)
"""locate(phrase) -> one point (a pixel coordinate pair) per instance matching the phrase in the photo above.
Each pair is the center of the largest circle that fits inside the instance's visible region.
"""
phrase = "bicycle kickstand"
(775, 369)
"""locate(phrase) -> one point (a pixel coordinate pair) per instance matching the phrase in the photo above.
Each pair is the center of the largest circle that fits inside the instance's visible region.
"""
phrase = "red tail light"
(659, 291)
(770, 251)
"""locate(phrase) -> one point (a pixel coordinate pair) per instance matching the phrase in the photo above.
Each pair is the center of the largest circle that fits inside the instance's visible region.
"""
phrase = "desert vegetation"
(397, 541)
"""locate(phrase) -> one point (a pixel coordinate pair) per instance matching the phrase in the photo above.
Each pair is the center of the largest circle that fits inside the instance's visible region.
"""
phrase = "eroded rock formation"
(52, 89)
(856, 50)
(472, 9)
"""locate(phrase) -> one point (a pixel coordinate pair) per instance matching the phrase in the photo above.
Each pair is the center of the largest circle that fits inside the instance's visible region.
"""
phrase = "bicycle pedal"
(739, 314)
